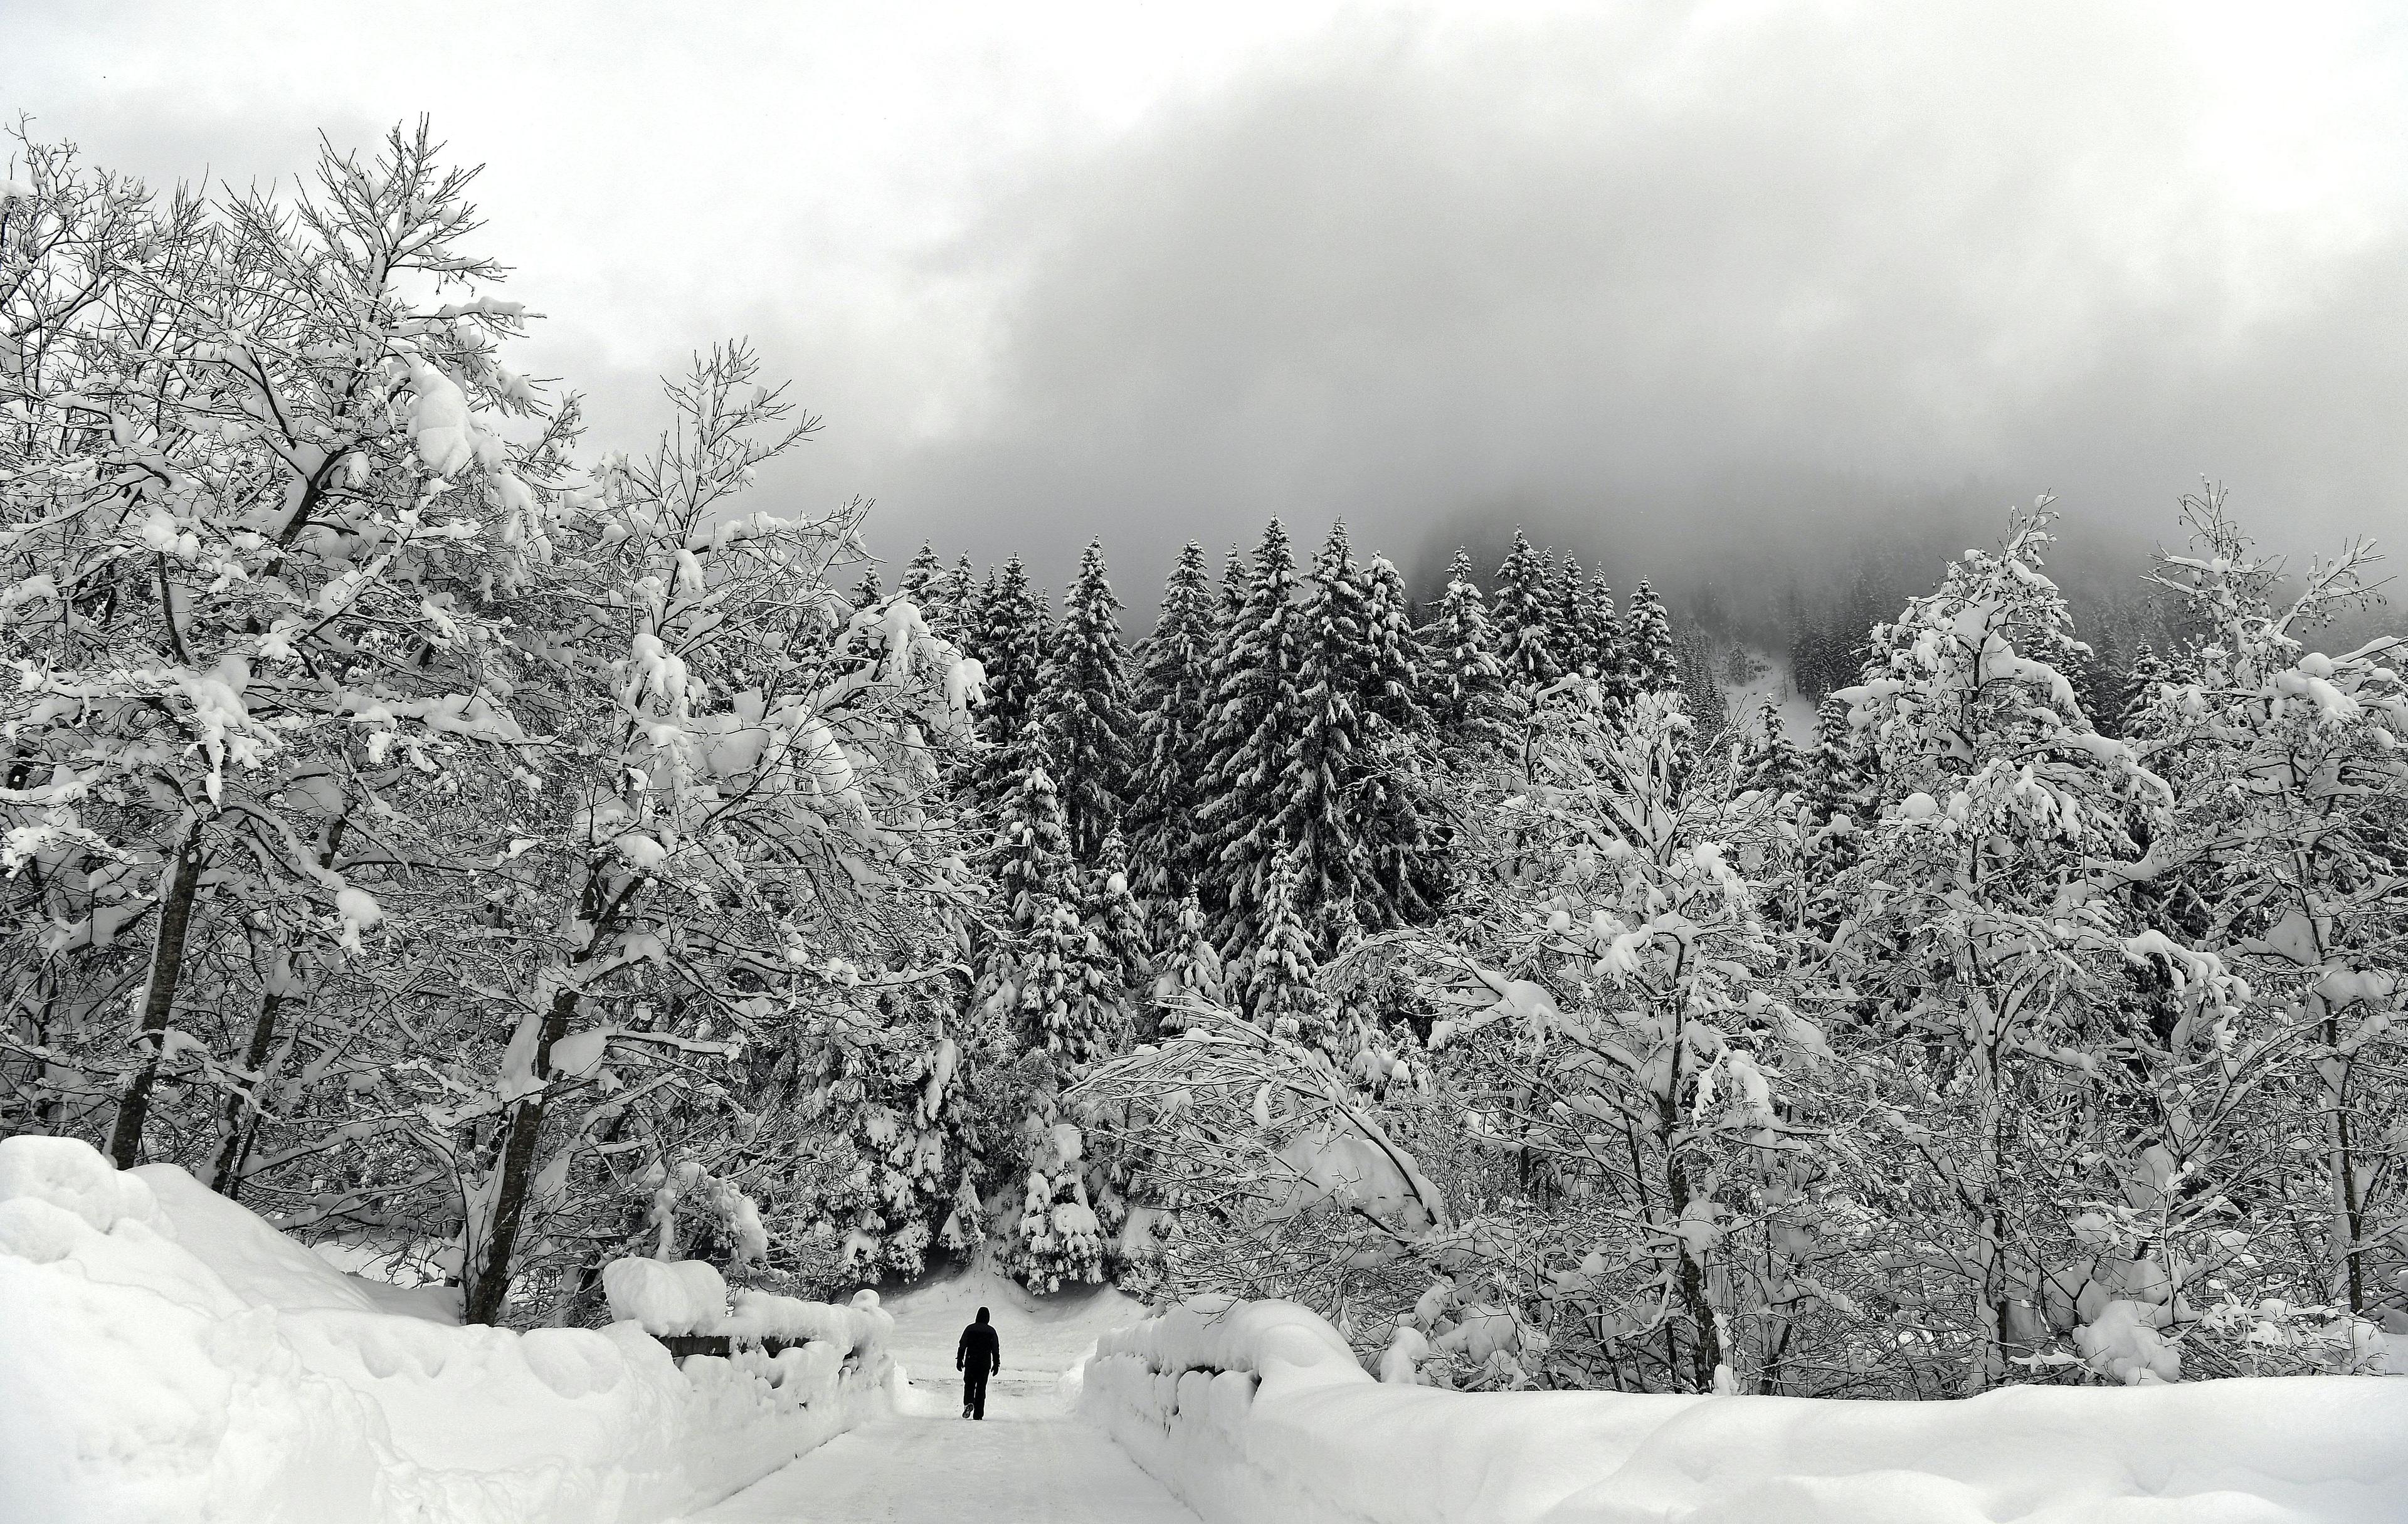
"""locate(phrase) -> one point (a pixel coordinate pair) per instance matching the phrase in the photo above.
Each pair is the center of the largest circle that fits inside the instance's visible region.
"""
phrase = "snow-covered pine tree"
(1391, 774)
(1653, 665)
(1013, 633)
(881, 1070)
(1083, 707)
(1237, 587)
(1522, 617)
(1568, 620)
(1314, 822)
(2138, 698)
(1173, 697)
(868, 592)
(1279, 972)
(1700, 684)
(1768, 761)
(1189, 971)
(1602, 628)
(924, 581)
(1255, 722)
(1462, 680)
(1112, 912)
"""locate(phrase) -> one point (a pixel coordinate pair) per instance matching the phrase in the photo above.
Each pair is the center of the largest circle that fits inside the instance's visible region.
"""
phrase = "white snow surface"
(1252, 1411)
(1030, 1461)
(165, 1355)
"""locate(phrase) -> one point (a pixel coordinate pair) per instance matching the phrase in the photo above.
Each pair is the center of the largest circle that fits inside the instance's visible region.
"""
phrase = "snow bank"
(1258, 1410)
(166, 1354)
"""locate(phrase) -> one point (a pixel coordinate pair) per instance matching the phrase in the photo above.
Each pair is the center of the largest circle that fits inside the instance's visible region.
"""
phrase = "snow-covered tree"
(1253, 729)
(1651, 664)
(1173, 698)
(1462, 680)
(1083, 708)
(1013, 633)
(1768, 761)
(1523, 615)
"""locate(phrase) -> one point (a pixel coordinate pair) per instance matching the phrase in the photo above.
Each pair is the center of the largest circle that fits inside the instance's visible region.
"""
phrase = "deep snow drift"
(1255, 1410)
(166, 1354)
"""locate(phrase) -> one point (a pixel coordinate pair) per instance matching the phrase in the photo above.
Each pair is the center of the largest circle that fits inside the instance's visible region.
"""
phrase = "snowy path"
(935, 1471)
(1030, 1463)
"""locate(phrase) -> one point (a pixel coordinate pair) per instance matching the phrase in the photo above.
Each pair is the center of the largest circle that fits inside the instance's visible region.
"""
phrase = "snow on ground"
(167, 1355)
(1030, 1461)
(1258, 1410)
(937, 1469)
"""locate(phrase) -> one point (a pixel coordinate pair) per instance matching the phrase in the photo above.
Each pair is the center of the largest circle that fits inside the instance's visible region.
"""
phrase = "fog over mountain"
(1722, 294)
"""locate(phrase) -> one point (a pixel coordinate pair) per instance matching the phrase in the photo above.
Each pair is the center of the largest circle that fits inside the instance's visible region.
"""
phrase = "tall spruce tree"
(1602, 627)
(1767, 761)
(1391, 774)
(1255, 726)
(1567, 619)
(1652, 663)
(2148, 673)
(1316, 826)
(1279, 972)
(1083, 707)
(1520, 614)
(923, 577)
(1461, 676)
(1011, 641)
(1174, 699)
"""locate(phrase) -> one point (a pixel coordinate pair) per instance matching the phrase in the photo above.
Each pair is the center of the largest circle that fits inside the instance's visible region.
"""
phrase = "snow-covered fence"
(166, 1354)
(1258, 1410)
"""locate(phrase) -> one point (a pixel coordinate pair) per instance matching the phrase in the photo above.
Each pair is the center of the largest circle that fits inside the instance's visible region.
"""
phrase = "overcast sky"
(1672, 283)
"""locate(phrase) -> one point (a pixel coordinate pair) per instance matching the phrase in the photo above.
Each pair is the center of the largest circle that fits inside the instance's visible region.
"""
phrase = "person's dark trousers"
(974, 1393)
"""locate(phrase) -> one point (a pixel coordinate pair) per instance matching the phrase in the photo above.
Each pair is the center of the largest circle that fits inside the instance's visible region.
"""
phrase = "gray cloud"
(1673, 300)
(1708, 291)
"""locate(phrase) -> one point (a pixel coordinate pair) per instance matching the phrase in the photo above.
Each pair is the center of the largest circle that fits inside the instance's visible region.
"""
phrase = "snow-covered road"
(1030, 1463)
(935, 1471)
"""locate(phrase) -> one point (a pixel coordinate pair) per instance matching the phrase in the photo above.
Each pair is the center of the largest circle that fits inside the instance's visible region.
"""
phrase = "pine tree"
(1174, 699)
(1315, 825)
(1602, 629)
(1390, 776)
(1839, 771)
(1237, 586)
(1463, 679)
(1768, 762)
(1568, 620)
(1279, 989)
(925, 582)
(1256, 724)
(1118, 921)
(868, 593)
(1189, 971)
(1701, 689)
(1011, 642)
(923, 575)
(1525, 647)
(1652, 663)
(1084, 707)
(1032, 845)
(2147, 675)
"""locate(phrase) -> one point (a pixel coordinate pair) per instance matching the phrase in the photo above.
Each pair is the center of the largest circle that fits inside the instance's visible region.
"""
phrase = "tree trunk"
(1706, 1350)
(488, 1276)
(180, 883)
(224, 1170)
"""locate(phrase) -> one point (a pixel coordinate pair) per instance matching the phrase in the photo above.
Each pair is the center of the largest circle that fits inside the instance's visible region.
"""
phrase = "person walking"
(978, 1356)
